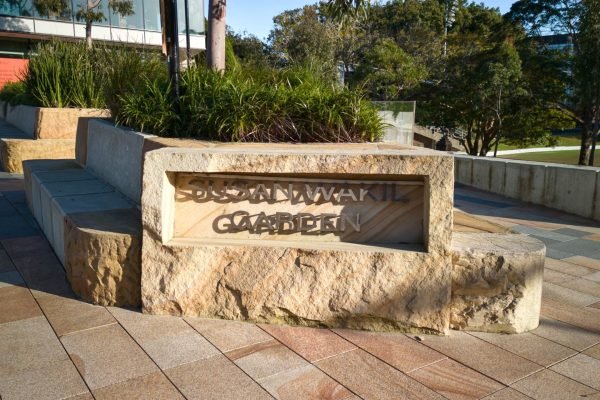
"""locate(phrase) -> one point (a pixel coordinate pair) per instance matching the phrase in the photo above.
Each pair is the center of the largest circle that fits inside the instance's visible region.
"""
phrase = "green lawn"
(558, 157)
(562, 141)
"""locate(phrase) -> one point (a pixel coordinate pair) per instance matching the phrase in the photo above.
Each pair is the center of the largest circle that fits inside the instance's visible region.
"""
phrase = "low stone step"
(496, 282)
(93, 229)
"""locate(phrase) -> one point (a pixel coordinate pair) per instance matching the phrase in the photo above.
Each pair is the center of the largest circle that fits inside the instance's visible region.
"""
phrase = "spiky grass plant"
(64, 74)
(267, 105)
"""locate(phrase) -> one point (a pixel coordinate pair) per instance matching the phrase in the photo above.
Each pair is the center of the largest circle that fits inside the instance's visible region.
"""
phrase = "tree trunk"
(586, 137)
(88, 34)
(216, 34)
(595, 134)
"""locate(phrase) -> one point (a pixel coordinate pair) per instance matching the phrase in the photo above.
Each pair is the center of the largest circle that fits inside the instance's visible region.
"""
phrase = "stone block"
(64, 123)
(31, 166)
(102, 256)
(116, 155)
(336, 284)
(464, 169)
(496, 282)
(570, 189)
(23, 117)
(63, 206)
(525, 181)
(14, 151)
(52, 189)
(41, 201)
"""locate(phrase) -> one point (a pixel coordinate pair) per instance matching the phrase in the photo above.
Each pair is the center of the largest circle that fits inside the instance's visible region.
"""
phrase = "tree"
(89, 11)
(304, 36)
(386, 71)
(217, 10)
(249, 49)
(587, 78)
(579, 19)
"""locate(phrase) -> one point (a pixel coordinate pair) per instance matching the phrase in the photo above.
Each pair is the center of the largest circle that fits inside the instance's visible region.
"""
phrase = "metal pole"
(187, 32)
(173, 38)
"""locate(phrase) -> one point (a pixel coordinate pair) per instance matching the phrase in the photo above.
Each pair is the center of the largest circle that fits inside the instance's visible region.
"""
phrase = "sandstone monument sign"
(323, 235)
(348, 235)
(233, 207)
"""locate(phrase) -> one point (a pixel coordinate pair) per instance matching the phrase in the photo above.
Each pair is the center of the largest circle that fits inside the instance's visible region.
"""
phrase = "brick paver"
(53, 346)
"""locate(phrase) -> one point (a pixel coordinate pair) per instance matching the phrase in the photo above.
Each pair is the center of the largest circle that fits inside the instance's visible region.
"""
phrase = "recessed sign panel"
(209, 206)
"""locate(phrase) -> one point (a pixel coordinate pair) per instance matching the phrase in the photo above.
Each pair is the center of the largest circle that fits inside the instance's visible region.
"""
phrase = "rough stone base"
(349, 289)
(102, 256)
(14, 151)
(496, 282)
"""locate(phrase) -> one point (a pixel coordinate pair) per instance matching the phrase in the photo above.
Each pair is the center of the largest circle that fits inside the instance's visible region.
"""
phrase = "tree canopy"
(467, 66)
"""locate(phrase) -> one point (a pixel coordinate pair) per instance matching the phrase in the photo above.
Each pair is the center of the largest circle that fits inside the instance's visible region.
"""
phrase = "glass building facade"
(146, 14)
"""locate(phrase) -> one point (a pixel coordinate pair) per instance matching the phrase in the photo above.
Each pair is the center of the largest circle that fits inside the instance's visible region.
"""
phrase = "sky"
(256, 16)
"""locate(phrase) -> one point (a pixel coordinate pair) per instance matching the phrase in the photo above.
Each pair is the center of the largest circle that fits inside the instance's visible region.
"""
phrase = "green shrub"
(264, 105)
(14, 93)
(129, 70)
(64, 74)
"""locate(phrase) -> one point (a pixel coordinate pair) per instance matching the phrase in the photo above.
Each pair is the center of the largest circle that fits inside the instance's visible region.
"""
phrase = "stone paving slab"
(53, 346)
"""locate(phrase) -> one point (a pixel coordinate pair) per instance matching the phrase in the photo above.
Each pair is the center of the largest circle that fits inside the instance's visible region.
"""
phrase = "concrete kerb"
(525, 181)
(568, 188)
(596, 213)
(463, 169)
(489, 174)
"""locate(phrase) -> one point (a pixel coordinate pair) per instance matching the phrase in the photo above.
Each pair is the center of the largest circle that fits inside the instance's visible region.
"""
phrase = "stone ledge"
(496, 282)
(14, 151)
(31, 166)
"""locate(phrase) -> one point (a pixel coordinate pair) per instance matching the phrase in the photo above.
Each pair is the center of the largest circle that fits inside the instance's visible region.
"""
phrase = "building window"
(66, 14)
(16, 8)
(152, 15)
(195, 13)
(82, 5)
(133, 21)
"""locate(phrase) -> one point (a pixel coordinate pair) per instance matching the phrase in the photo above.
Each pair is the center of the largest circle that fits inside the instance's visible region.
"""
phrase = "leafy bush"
(66, 75)
(129, 71)
(14, 93)
(252, 105)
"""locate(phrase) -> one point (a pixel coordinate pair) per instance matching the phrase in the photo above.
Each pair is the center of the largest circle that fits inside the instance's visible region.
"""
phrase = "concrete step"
(94, 230)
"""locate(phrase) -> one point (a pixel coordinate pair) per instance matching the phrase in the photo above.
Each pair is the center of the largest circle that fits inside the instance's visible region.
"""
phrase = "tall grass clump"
(129, 70)
(252, 105)
(64, 74)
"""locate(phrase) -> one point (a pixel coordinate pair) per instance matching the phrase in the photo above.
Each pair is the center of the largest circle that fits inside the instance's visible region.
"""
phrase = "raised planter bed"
(351, 235)
(44, 133)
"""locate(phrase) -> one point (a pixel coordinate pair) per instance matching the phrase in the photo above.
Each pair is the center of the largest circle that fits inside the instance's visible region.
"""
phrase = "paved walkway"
(53, 346)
